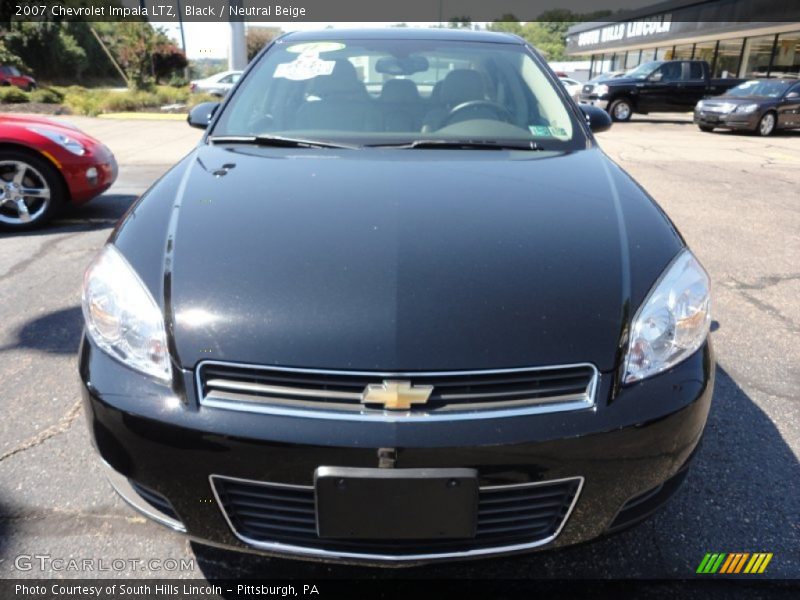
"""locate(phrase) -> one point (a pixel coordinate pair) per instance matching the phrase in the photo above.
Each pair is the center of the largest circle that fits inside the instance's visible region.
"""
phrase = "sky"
(211, 40)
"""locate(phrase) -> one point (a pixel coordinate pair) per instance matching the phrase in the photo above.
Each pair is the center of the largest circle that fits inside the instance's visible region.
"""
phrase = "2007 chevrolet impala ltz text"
(396, 307)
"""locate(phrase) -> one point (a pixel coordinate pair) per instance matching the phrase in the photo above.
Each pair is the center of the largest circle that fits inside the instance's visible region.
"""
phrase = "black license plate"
(383, 504)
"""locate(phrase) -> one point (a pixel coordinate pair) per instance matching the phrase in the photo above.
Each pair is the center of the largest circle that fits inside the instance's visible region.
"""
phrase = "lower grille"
(283, 518)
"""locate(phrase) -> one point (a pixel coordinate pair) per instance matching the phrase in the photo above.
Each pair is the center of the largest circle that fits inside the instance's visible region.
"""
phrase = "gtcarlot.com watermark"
(48, 562)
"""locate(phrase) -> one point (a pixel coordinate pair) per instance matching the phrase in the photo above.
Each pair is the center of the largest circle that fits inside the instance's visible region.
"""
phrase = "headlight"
(601, 90)
(62, 140)
(746, 108)
(699, 105)
(673, 322)
(121, 316)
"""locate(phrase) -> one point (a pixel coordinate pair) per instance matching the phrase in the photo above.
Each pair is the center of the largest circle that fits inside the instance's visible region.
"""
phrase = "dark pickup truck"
(656, 86)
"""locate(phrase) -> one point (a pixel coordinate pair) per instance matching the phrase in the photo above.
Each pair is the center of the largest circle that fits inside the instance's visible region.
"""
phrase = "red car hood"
(26, 120)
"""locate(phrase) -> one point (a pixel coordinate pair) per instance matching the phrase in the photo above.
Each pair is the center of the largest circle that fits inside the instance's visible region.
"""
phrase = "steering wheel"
(501, 111)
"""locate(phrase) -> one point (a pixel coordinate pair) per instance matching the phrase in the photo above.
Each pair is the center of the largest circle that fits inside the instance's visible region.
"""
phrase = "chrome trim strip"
(586, 402)
(243, 386)
(280, 548)
(125, 490)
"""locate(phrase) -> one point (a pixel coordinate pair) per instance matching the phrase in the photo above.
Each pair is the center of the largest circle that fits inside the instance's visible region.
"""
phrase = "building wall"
(770, 54)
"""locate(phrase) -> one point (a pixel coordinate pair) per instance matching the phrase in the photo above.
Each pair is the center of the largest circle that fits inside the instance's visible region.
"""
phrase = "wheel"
(706, 128)
(621, 110)
(766, 126)
(31, 190)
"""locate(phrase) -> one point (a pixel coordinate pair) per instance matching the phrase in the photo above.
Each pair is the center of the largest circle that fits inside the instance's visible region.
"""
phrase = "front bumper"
(747, 121)
(594, 100)
(83, 188)
(167, 443)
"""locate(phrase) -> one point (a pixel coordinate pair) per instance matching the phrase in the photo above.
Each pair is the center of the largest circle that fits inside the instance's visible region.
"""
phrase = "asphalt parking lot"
(735, 198)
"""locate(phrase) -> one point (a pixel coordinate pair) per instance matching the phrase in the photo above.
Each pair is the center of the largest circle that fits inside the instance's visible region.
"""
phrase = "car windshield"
(760, 87)
(644, 69)
(394, 92)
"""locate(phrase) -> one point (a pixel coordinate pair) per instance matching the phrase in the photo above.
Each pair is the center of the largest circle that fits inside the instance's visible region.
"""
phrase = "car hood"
(740, 99)
(398, 259)
(62, 127)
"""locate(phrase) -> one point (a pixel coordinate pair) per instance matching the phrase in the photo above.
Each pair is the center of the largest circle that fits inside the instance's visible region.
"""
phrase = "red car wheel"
(31, 190)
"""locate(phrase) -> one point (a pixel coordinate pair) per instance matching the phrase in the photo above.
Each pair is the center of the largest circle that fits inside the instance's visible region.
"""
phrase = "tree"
(257, 38)
(168, 59)
(548, 33)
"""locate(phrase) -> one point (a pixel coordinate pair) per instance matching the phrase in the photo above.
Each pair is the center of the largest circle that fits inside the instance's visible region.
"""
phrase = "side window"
(236, 77)
(226, 79)
(695, 71)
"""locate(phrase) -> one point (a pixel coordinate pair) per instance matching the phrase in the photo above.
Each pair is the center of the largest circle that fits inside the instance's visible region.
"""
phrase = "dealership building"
(738, 38)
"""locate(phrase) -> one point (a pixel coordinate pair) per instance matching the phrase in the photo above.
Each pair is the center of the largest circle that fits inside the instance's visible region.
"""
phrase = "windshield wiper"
(463, 145)
(275, 140)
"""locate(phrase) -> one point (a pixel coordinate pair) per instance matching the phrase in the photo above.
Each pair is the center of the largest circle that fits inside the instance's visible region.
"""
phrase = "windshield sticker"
(316, 47)
(558, 131)
(540, 130)
(307, 66)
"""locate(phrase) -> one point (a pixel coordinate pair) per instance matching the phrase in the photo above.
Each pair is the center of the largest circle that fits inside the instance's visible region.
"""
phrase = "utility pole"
(237, 56)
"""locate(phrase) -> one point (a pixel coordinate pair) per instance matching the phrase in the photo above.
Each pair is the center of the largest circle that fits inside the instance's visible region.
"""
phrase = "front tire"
(31, 190)
(706, 128)
(766, 125)
(621, 110)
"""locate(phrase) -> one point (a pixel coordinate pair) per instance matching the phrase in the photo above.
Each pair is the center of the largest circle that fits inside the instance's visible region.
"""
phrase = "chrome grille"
(338, 394)
(283, 517)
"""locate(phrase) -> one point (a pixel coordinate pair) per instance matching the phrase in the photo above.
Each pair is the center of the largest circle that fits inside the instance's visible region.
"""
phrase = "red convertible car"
(11, 76)
(46, 164)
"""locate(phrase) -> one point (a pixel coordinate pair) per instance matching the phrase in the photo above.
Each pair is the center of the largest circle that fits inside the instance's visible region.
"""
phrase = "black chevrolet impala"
(397, 306)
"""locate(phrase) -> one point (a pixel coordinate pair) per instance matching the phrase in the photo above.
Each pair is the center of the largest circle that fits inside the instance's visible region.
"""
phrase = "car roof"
(403, 33)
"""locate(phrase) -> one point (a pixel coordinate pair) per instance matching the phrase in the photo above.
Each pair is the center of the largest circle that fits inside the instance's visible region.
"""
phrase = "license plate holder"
(386, 504)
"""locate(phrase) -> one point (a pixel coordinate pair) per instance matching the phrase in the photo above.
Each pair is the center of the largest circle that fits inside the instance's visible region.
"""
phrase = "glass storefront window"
(632, 59)
(705, 51)
(757, 53)
(683, 52)
(661, 53)
(727, 65)
(648, 55)
(787, 56)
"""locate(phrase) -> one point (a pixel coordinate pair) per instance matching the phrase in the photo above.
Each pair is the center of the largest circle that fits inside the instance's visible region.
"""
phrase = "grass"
(92, 102)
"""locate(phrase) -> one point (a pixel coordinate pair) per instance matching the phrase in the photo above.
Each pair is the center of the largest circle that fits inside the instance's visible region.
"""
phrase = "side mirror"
(200, 115)
(598, 119)
(792, 95)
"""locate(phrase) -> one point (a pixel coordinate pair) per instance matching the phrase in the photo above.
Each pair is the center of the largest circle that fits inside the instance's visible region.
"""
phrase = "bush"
(196, 99)
(81, 101)
(13, 95)
(167, 94)
(46, 96)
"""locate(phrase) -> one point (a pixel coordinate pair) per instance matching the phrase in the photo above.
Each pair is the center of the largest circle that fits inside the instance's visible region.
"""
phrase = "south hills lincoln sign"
(621, 32)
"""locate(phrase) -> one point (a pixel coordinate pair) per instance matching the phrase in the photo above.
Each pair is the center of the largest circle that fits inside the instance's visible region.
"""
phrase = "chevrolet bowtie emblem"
(396, 395)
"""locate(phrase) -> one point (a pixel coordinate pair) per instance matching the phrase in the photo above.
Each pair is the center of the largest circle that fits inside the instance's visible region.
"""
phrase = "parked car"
(760, 105)
(573, 86)
(12, 76)
(657, 86)
(396, 329)
(216, 85)
(46, 164)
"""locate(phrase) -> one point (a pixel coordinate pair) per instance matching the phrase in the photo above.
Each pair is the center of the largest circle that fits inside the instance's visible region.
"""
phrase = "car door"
(652, 91)
(691, 87)
(789, 108)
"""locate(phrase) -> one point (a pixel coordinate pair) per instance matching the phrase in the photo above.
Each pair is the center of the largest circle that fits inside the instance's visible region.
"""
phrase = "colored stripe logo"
(734, 563)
